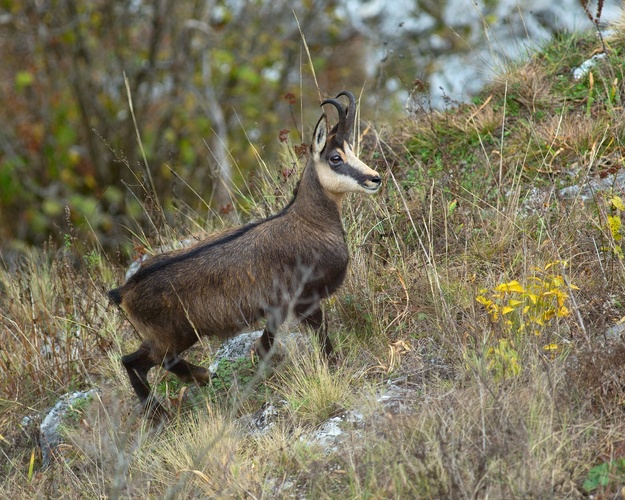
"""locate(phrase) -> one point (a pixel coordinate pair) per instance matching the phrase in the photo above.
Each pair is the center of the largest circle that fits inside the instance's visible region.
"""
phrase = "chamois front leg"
(317, 321)
(264, 344)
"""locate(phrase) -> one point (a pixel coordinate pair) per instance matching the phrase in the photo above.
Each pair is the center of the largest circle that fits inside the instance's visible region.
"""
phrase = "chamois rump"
(285, 264)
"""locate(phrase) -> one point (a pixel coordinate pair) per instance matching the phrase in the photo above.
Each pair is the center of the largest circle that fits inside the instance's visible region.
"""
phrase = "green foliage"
(76, 411)
(531, 308)
(198, 78)
(232, 379)
(606, 476)
(614, 226)
(518, 310)
(503, 360)
(239, 371)
(23, 79)
(448, 140)
(93, 259)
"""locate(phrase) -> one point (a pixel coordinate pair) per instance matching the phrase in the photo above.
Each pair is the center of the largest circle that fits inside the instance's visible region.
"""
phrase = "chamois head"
(339, 169)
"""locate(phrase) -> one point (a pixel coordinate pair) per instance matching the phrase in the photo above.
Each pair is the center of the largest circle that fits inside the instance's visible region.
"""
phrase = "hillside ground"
(486, 281)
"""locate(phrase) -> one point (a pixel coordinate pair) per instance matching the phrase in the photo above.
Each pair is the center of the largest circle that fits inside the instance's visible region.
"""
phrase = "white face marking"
(337, 183)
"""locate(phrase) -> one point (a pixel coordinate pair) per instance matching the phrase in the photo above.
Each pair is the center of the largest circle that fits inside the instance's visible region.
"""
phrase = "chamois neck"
(312, 199)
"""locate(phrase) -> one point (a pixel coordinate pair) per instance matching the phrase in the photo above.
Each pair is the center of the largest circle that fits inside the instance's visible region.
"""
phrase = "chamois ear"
(319, 136)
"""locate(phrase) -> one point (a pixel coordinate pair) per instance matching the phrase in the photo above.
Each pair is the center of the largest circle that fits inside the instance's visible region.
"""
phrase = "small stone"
(49, 436)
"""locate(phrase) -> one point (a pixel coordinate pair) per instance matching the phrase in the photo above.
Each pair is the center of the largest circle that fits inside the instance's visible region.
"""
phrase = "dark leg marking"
(138, 364)
(187, 372)
(264, 344)
(317, 321)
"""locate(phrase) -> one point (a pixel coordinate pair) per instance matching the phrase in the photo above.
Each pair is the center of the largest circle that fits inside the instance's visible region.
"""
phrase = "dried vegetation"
(516, 394)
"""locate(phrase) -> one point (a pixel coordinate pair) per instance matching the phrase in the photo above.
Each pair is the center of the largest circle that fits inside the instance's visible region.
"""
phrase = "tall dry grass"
(481, 408)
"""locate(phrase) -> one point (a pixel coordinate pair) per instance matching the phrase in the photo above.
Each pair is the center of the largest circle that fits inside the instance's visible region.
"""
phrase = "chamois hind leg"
(316, 320)
(138, 364)
(185, 371)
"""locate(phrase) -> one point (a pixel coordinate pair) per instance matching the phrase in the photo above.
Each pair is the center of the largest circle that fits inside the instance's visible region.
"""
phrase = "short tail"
(115, 296)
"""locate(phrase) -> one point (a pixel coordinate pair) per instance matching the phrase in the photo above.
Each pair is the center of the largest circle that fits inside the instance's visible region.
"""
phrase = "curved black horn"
(351, 113)
(341, 129)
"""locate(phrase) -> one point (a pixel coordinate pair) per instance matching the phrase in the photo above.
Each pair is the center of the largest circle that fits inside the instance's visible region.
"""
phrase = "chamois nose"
(373, 184)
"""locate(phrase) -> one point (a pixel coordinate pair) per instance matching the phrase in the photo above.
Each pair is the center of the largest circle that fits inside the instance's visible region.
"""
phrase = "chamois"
(285, 264)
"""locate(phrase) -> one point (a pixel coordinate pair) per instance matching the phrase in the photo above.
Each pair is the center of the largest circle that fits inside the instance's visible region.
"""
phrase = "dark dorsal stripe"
(160, 264)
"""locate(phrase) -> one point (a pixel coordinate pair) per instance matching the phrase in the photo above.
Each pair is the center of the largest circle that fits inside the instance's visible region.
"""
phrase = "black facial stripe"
(348, 170)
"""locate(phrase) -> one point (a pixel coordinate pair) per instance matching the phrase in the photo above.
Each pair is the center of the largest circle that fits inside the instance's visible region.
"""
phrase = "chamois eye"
(335, 160)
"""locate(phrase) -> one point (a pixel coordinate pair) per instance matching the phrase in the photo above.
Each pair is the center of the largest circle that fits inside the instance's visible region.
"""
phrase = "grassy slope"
(493, 412)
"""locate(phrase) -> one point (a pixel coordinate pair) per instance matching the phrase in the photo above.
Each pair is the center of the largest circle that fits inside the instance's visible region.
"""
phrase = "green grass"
(527, 402)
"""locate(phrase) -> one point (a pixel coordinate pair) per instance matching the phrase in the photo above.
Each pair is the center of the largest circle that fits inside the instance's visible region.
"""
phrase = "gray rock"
(398, 400)
(404, 17)
(265, 418)
(135, 265)
(586, 190)
(458, 45)
(329, 435)
(49, 435)
(586, 66)
(332, 433)
(27, 421)
(234, 348)
(241, 345)
(615, 332)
